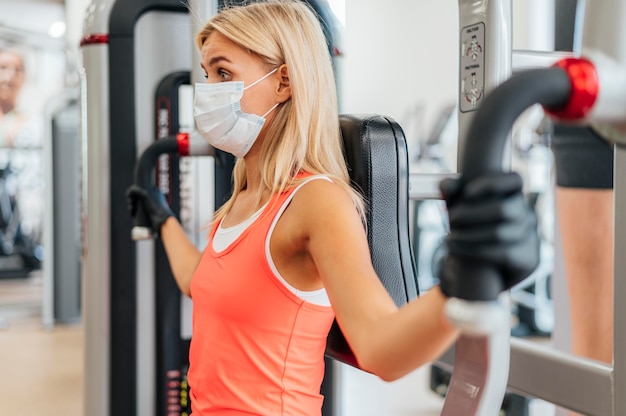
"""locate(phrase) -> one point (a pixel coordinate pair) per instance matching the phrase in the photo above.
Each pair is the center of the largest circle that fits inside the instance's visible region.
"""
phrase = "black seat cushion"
(376, 155)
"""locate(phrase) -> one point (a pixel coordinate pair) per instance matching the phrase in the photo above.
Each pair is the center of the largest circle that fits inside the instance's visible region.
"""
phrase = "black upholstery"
(376, 154)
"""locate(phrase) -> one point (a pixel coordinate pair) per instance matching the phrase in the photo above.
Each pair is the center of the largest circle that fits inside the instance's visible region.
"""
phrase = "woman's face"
(224, 60)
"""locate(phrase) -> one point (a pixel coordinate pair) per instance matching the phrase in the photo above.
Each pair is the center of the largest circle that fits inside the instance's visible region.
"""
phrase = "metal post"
(485, 55)
(619, 284)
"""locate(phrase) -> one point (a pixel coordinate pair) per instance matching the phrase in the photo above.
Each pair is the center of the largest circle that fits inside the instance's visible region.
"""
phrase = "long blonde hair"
(304, 135)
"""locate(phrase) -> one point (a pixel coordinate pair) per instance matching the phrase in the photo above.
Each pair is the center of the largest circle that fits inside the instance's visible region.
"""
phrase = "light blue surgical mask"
(220, 120)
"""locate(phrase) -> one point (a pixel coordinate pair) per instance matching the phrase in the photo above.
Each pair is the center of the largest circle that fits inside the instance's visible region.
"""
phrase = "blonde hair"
(304, 134)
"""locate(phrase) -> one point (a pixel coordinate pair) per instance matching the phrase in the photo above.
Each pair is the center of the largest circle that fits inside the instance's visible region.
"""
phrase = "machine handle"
(486, 137)
(485, 145)
(184, 144)
(144, 177)
(482, 352)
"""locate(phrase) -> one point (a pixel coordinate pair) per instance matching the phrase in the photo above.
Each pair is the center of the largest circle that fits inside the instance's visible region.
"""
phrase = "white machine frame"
(540, 371)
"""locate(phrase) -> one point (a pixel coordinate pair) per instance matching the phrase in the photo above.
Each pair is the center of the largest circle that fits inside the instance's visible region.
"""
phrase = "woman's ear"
(284, 87)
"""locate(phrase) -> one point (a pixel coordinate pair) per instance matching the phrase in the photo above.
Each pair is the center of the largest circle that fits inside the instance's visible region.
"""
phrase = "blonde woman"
(288, 252)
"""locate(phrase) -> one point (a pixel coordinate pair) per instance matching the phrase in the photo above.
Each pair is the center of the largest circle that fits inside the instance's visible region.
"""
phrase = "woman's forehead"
(218, 47)
(216, 43)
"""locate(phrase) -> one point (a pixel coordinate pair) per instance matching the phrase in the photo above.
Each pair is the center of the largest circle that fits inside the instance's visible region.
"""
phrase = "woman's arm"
(386, 341)
(490, 224)
(182, 254)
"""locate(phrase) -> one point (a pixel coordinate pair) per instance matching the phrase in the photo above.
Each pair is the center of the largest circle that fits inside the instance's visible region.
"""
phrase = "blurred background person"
(11, 82)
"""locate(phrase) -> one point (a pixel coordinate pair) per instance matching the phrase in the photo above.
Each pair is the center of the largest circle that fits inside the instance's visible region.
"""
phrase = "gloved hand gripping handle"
(482, 350)
(144, 177)
(484, 151)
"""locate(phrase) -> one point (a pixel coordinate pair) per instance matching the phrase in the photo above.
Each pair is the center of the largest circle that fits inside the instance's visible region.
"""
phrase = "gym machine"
(136, 57)
(475, 371)
(584, 90)
(598, 75)
(61, 234)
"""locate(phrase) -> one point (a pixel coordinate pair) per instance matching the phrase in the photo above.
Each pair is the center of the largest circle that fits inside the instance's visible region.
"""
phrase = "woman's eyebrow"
(217, 59)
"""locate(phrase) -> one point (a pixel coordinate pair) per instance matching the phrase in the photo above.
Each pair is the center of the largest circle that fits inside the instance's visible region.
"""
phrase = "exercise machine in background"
(583, 90)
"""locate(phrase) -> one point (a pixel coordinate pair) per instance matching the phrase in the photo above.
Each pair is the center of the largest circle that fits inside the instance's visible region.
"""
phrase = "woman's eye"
(223, 75)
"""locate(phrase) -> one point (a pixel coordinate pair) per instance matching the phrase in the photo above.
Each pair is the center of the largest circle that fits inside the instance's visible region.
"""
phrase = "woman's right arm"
(182, 254)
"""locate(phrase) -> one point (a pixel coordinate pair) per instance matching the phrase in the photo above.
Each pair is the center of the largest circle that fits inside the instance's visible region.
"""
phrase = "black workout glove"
(493, 242)
(153, 202)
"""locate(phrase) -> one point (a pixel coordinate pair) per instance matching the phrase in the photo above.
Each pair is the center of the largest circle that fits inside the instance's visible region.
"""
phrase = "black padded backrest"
(376, 155)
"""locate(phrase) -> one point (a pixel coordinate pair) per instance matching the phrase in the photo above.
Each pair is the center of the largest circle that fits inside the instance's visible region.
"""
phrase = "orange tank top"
(256, 347)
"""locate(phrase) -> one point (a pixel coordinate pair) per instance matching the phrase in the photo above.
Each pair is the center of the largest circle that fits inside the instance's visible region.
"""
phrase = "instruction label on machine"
(472, 67)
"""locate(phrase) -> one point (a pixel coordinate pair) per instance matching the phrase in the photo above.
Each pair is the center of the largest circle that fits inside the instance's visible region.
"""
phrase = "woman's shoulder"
(311, 184)
(321, 195)
(319, 210)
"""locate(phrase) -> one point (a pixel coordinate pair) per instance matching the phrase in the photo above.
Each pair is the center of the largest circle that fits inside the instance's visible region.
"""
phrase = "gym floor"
(40, 369)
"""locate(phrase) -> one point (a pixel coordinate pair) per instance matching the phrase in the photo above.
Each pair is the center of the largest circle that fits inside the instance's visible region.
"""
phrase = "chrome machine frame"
(540, 371)
(537, 371)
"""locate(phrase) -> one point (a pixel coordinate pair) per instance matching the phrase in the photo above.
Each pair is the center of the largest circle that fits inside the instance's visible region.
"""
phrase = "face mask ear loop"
(261, 79)
(270, 110)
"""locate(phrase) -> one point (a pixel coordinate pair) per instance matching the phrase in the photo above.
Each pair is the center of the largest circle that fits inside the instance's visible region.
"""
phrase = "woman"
(287, 253)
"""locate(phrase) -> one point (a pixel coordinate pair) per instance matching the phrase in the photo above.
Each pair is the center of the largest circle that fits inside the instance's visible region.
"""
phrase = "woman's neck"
(252, 159)
(254, 178)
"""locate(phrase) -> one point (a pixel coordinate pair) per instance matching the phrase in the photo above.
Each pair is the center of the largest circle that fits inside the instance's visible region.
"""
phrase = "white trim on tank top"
(225, 236)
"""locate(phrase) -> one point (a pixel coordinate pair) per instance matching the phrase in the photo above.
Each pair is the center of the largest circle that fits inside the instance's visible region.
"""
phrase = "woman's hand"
(153, 202)
(491, 227)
